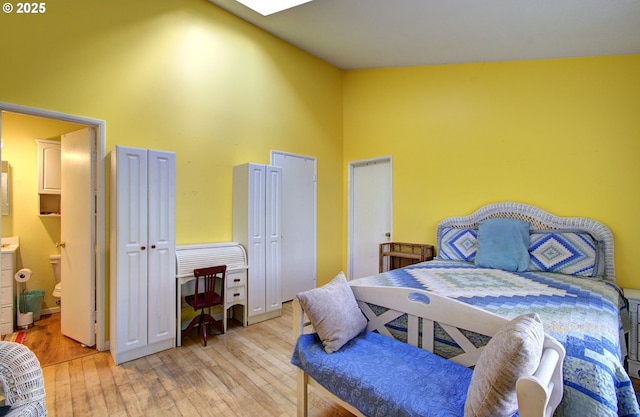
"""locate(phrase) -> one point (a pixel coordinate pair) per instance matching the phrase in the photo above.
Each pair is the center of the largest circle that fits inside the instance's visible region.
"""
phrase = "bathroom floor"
(49, 344)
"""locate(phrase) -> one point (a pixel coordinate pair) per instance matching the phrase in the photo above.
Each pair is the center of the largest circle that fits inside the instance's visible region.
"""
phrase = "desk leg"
(178, 313)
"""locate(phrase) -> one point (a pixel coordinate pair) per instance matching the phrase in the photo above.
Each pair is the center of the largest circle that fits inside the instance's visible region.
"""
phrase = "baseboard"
(265, 316)
(51, 310)
(131, 354)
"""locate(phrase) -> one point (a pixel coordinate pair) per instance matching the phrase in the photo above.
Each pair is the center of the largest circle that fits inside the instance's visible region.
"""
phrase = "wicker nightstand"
(633, 362)
(395, 255)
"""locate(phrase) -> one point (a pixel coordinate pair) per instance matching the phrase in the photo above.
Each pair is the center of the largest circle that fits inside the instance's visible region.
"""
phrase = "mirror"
(5, 188)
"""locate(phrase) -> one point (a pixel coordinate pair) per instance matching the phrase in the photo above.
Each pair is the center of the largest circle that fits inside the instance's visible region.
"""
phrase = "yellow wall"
(190, 78)
(187, 77)
(563, 135)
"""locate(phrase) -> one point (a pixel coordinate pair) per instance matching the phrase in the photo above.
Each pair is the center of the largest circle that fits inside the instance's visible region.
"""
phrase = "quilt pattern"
(581, 313)
(459, 244)
(565, 253)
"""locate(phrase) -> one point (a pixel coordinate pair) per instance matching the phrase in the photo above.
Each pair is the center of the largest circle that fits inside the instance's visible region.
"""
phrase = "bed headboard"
(540, 220)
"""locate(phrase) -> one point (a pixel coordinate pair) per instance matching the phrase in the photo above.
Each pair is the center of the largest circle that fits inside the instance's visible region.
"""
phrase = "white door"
(129, 228)
(256, 246)
(298, 223)
(370, 211)
(161, 251)
(77, 231)
(273, 218)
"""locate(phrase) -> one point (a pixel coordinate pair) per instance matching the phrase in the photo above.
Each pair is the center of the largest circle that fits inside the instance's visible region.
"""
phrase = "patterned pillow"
(458, 244)
(570, 253)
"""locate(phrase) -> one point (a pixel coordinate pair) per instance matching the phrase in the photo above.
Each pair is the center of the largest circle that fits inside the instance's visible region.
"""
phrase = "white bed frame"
(538, 394)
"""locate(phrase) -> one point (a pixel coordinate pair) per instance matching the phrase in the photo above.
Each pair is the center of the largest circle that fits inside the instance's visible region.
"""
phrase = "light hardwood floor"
(45, 339)
(245, 372)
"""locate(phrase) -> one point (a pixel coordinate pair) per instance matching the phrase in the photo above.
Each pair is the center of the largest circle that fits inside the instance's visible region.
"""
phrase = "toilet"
(55, 264)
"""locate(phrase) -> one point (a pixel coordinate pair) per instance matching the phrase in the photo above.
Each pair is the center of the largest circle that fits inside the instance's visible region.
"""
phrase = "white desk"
(235, 295)
(190, 257)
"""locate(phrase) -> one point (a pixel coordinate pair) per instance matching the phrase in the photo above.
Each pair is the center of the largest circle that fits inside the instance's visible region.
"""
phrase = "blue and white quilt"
(586, 315)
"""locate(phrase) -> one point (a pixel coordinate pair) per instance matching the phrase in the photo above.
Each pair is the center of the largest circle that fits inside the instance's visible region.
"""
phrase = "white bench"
(538, 394)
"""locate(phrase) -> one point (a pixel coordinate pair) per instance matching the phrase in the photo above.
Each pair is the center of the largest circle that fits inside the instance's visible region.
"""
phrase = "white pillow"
(333, 312)
(514, 351)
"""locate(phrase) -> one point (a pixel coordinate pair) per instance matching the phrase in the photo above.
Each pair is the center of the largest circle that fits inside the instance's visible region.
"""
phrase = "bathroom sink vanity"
(10, 246)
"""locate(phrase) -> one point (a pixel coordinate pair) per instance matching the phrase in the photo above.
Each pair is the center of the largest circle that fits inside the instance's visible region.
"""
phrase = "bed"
(569, 281)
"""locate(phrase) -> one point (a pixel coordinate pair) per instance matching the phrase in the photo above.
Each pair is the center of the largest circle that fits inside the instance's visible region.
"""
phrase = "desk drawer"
(235, 294)
(236, 279)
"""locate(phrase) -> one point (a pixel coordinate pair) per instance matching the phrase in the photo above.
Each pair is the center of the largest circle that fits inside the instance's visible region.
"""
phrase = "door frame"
(350, 209)
(99, 126)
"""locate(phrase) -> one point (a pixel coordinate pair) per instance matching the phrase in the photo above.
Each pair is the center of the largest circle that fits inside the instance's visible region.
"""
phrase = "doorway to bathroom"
(50, 346)
(85, 301)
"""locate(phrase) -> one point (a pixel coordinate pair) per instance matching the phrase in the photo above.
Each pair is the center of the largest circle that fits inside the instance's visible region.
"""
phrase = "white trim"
(352, 165)
(267, 8)
(100, 127)
(297, 155)
(52, 310)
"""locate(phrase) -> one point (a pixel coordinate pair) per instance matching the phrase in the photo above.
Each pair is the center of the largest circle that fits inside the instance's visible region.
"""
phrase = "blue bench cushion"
(381, 376)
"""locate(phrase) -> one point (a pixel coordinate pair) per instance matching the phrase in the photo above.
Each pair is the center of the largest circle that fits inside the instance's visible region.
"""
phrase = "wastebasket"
(34, 303)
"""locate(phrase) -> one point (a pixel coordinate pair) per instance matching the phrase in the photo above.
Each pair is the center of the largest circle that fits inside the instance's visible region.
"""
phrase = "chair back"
(21, 379)
(209, 289)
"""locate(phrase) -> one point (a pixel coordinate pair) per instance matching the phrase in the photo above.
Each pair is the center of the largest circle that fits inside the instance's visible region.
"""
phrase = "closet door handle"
(153, 246)
(143, 247)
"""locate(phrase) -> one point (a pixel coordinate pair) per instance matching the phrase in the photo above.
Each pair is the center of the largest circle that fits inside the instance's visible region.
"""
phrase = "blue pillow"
(503, 244)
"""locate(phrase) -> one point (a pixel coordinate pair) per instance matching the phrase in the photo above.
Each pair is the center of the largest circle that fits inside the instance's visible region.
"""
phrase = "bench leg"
(302, 390)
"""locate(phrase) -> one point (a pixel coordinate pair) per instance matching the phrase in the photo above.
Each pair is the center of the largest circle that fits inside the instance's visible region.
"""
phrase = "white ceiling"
(354, 34)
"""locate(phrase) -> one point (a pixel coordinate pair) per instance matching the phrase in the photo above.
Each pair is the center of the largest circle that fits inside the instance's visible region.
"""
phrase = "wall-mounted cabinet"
(49, 176)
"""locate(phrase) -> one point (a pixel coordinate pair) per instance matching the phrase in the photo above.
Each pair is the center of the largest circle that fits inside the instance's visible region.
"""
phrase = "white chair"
(22, 381)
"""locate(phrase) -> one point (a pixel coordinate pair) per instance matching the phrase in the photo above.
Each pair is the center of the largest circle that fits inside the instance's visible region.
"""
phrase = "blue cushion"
(503, 244)
(381, 376)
